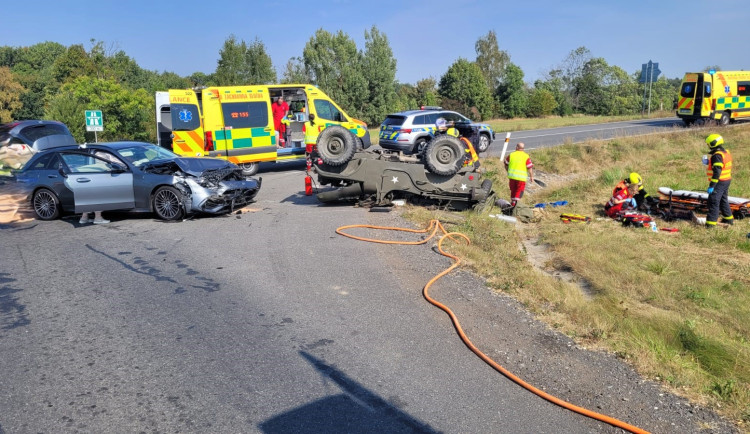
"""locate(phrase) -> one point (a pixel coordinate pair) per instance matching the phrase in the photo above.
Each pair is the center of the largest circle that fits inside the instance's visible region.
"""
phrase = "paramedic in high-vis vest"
(719, 173)
(520, 169)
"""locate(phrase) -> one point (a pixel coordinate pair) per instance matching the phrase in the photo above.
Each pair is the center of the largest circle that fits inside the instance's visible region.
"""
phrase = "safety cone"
(308, 185)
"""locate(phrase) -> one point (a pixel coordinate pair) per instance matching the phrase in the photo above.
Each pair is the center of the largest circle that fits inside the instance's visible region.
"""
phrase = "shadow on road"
(356, 409)
(12, 313)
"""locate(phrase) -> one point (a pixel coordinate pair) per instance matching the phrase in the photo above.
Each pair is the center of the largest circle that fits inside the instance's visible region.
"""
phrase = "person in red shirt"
(621, 200)
(280, 107)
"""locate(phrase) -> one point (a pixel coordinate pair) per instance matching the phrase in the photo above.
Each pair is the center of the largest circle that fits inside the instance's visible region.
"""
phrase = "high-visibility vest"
(517, 166)
(726, 170)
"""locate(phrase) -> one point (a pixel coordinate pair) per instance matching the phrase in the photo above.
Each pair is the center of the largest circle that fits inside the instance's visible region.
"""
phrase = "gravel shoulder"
(504, 330)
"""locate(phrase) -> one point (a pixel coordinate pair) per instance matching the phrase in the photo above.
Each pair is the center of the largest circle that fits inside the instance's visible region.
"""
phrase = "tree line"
(51, 81)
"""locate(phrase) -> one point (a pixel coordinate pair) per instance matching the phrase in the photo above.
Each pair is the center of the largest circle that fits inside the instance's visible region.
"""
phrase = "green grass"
(521, 124)
(675, 306)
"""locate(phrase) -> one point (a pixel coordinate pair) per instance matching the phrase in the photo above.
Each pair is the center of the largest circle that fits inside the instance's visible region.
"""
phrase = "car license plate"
(685, 111)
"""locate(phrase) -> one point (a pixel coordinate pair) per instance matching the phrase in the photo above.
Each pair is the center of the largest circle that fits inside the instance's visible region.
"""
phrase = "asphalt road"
(268, 321)
(576, 134)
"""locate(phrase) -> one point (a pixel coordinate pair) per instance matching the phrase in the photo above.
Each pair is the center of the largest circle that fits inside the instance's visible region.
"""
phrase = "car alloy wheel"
(46, 205)
(167, 203)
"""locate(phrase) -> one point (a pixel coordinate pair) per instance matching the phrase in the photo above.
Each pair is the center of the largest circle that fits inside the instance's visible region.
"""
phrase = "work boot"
(728, 222)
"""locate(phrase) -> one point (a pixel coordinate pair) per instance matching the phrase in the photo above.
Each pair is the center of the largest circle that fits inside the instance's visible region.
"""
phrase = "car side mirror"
(117, 168)
(61, 171)
(312, 118)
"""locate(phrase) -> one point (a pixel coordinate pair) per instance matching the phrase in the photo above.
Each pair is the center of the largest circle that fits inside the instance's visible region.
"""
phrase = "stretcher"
(685, 200)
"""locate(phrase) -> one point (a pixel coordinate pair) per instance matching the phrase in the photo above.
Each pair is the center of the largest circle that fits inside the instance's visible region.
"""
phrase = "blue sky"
(426, 37)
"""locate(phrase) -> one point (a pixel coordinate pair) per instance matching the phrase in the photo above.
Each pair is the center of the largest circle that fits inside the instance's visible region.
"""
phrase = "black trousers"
(719, 201)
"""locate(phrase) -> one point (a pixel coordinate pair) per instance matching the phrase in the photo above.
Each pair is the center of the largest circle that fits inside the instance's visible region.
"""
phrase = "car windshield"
(139, 154)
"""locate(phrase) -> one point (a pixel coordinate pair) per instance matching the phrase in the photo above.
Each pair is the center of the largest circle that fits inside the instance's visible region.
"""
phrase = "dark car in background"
(132, 176)
(19, 140)
(410, 131)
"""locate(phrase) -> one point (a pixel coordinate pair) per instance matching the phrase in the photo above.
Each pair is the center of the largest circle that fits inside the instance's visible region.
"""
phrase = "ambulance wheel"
(250, 169)
(336, 145)
(484, 143)
(46, 204)
(166, 203)
(725, 118)
(444, 155)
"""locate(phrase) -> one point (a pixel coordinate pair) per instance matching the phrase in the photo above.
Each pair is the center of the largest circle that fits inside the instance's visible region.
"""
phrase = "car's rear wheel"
(725, 119)
(336, 145)
(484, 143)
(167, 203)
(250, 169)
(46, 204)
(420, 145)
(444, 155)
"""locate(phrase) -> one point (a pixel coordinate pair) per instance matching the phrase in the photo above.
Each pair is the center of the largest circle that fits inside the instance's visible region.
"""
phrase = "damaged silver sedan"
(132, 176)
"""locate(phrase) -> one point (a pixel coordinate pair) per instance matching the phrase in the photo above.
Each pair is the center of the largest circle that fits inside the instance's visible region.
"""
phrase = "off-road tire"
(444, 155)
(336, 145)
(46, 205)
(167, 203)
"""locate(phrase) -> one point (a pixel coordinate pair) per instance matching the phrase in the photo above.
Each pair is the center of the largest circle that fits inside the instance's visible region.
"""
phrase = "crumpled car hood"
(192, 165)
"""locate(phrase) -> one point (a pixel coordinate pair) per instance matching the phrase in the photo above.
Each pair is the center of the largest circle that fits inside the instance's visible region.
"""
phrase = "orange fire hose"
(433, 227)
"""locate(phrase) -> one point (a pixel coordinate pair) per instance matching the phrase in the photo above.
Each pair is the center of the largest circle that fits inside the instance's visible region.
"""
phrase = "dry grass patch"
(676, 306)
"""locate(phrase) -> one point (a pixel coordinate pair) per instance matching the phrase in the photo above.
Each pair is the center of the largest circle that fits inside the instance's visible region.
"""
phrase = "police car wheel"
(250, 169)
(420, 146)
(484, 143)
(336, 145)
(444, 155)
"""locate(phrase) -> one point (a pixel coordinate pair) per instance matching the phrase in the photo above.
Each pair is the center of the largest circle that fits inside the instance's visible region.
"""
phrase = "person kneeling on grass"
(622, 200)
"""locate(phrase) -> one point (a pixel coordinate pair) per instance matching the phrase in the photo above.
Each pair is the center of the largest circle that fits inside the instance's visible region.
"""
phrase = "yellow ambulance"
(723, 96)
(236, 123)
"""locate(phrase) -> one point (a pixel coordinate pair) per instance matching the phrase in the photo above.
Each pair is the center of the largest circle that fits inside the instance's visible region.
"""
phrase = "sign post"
(94, 122)
(649, 73)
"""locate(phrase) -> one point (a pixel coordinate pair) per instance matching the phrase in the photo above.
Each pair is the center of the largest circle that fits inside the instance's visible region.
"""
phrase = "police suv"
(410, 131)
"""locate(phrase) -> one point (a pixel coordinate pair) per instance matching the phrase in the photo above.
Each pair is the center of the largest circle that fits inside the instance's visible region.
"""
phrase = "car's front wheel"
(46, 204)
(484, 143)
(167, 204)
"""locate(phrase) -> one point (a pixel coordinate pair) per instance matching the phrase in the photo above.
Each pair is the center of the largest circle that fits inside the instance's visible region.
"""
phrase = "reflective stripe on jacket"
(726, 167)
(517, 166)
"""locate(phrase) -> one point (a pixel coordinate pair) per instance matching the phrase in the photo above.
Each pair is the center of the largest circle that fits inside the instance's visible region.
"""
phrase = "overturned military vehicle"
(446, 174)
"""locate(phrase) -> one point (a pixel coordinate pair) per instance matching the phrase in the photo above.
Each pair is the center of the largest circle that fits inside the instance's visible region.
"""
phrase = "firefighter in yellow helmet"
(640, 195)
(719, 173)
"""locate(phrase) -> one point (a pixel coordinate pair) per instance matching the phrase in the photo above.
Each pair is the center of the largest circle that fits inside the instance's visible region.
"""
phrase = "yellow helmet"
(635, 179)
(714, 140)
